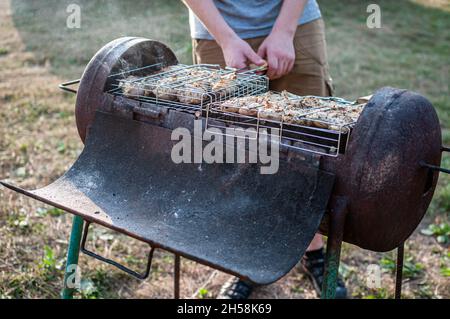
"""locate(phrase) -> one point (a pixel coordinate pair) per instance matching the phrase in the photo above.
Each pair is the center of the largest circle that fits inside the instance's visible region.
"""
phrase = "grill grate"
(320, 125)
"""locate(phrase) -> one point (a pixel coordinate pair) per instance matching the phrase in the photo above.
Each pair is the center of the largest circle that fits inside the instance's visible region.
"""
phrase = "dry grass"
(38, 142)
(440, 4)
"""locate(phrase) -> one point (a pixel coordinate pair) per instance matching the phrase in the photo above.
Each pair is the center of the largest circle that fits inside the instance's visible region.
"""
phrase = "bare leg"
(316, 243)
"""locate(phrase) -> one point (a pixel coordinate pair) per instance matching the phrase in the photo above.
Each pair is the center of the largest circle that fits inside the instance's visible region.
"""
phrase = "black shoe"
(313, 265)
(235, 288)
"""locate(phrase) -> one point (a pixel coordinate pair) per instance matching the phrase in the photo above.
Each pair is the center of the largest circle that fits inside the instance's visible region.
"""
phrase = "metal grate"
(310, 123)
(188, 87)
(320, 125)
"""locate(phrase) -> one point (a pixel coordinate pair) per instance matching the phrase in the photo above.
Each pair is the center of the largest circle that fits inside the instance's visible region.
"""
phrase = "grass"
(406, 52)
(411, 269)
(44, 21)
(441, 232)
(39, 140)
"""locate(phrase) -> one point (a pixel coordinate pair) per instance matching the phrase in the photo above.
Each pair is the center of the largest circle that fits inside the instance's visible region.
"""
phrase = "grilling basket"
(362, 172)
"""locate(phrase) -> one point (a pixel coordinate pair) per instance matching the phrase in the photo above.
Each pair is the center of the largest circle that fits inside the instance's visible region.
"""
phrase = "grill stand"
(133, 273)
(176, 277)
(399, 271)
(77, 243)
(334, 243)
(72, 255)
(335, 236)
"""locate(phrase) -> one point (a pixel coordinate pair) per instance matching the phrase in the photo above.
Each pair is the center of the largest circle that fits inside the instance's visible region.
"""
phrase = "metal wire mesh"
(190, 87)
(310, 123)
(320, 125)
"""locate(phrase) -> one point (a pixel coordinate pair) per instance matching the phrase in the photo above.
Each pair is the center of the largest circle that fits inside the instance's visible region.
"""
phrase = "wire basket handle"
(437, 168)
(65, 86)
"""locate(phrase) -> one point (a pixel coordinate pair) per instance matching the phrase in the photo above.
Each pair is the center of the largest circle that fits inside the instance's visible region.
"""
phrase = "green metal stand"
(334, 243)
(72, 256)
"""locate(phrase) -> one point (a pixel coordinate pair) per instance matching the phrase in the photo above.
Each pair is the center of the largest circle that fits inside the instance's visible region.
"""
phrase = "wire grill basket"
(310, 123)
(188, 87)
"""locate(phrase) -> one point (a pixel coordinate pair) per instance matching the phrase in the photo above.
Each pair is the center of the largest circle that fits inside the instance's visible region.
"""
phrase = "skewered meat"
(130, 88)
(225, 85)
(192, 93)
(187, 85)
(164, 88)
(289, 108)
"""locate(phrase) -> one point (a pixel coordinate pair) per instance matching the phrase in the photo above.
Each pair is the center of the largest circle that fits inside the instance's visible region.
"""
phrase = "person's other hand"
(279, 52)
(238, 54)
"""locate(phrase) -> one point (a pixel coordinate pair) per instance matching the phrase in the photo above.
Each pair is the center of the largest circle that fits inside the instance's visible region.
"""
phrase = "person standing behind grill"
(290, 36)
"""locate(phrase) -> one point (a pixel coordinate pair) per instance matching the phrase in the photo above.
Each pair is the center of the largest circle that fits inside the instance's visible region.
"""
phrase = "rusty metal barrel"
(382, 175)
(387, 188)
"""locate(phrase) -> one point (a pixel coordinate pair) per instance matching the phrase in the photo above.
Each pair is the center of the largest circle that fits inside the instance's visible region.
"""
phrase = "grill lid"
(228, 216)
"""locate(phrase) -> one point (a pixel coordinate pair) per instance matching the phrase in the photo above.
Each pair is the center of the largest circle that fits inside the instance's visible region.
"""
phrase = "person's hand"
(279, 52)
(238, 54)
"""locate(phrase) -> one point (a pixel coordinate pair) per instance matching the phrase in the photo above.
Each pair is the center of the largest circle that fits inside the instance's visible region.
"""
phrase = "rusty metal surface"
(388, 190)
(228, 216)
(117, 56)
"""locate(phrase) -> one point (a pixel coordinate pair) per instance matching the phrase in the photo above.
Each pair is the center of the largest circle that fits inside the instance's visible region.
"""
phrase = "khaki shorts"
(310, 75)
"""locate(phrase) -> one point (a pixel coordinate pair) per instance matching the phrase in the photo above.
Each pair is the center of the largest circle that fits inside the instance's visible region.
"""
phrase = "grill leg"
(72, 257)
(334, 243)
(176, 277)
(399, 271)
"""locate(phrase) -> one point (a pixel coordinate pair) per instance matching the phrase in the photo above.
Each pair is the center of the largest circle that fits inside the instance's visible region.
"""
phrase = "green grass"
(411, 268)
(410, 51)
(42, 24)
(441, 232)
